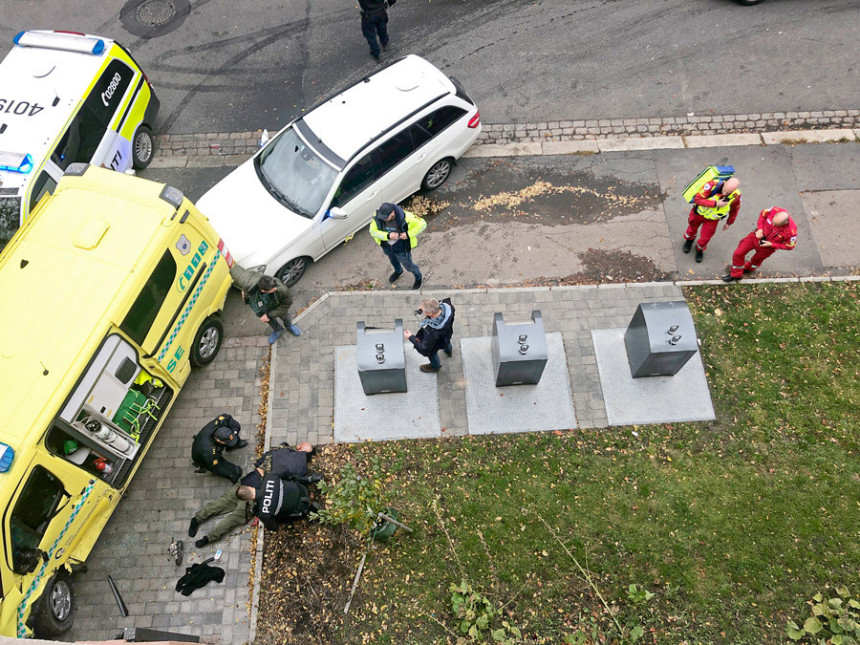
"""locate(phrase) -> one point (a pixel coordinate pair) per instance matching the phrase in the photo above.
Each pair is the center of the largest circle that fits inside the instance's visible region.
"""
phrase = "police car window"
(143, 312)
(43, 185)
(108, 91)
(81, 140)
(359, 177)
(32, 515)
(394, 150)
(440, 119)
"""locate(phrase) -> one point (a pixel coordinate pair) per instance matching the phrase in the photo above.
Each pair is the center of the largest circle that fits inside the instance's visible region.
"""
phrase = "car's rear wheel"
(438, 174)
(142, 147)
(292, 271)
(207, 342)
(56, 608)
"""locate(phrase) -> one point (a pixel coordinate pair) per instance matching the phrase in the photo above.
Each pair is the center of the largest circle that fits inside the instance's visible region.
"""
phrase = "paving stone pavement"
(158, 506)
(232, 148)
(301, 390)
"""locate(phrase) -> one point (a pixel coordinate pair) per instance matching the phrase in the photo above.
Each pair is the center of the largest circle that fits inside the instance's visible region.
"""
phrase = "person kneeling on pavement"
(437, 327)
(283, 461)
(207, 449)
(268, 297)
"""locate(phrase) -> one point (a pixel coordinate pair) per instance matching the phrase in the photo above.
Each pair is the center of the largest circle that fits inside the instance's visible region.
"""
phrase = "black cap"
(385, 210)
(226, 436)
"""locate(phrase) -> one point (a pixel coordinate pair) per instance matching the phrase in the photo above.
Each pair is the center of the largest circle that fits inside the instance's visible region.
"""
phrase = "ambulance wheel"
(438, 173)
(290, 273)
(56, 611)
(207, 342)
(142, 147)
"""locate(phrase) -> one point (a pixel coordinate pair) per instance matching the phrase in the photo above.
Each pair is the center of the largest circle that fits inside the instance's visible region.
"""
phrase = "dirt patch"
(608, 266)
(504, 191)
(307, 574)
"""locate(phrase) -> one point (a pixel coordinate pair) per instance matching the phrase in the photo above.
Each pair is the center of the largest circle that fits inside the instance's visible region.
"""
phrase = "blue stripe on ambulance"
(188, 307)
(22, 606)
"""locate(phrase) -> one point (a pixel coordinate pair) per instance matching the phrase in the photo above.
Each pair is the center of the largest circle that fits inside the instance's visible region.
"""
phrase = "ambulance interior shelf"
(111, 414)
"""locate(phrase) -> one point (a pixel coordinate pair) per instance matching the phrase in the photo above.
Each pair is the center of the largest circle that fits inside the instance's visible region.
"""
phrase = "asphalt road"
(223, 66)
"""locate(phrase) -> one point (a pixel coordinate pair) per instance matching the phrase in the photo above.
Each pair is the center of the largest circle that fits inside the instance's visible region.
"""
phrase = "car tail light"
(475, 121)
(227, 257)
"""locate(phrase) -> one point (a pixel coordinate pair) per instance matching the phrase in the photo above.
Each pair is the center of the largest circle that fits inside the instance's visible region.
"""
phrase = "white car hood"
(254, 225)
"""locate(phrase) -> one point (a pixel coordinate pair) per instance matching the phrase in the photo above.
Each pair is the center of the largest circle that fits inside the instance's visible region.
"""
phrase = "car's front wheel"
(142, 147)
(207, 342)
(56, 608)
(438, 174)
(292, 271)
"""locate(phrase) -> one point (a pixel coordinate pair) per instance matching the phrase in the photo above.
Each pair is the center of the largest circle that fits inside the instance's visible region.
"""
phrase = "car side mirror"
(336, 212)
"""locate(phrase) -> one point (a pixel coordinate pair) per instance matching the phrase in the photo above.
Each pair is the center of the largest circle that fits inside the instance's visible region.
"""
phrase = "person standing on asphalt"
(396, 231)
(374, 22)
(714, 202)
(239, 509)
(775, 230)
(220, 434)
(268, 297)
(437, 327)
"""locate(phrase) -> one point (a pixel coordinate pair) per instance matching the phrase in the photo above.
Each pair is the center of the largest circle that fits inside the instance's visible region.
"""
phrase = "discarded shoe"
(688, 244)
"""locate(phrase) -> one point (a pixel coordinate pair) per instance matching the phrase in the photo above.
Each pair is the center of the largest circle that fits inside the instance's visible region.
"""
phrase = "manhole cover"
(153, 18)
(155, 12)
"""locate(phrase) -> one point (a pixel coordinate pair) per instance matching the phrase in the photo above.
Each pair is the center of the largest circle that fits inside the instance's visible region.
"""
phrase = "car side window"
(440, 119)
(359, 177)
(420, 136)
(143, 312)
(81, 140)
(394, 150)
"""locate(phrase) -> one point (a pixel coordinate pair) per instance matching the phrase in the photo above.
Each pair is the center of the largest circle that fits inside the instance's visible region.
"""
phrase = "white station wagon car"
(323, 176)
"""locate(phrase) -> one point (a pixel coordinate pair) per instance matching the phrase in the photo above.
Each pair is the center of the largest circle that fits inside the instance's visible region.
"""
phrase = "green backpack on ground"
(708, 174)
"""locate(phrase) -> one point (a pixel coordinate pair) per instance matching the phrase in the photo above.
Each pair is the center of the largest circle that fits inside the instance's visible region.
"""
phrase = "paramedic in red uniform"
(775, 230)
(709, 207)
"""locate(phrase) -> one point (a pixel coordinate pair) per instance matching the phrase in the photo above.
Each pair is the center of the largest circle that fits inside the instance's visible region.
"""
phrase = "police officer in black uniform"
(374, 21)
(220, 434)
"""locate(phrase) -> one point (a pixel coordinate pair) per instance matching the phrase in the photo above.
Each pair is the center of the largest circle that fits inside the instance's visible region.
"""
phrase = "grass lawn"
(731, 525)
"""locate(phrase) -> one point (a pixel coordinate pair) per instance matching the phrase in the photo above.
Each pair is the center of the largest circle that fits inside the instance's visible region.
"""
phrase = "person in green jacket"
(268, 297)
(396, 231)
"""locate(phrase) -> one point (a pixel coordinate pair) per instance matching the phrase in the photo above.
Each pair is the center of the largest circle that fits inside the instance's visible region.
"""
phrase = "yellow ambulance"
(108, 294)
(67, 97)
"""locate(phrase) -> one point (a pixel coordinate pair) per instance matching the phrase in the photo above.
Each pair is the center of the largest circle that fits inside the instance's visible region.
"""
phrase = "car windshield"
(294, 174)
(10, 217)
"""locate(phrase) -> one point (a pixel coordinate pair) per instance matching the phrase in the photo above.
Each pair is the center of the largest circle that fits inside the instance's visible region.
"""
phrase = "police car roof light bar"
(62, 40)
(16, 162)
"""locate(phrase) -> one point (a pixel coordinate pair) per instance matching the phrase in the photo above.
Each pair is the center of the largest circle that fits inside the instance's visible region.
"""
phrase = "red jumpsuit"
(781, 237)
(709, 226)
